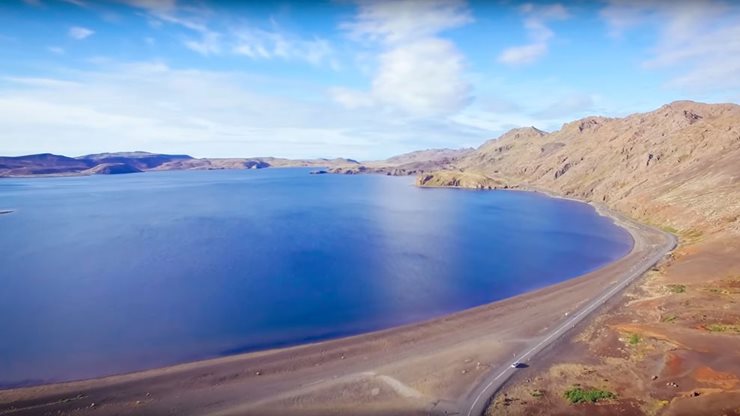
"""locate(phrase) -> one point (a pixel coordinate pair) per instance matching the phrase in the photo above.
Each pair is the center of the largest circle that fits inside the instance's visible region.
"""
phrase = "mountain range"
(47, 164)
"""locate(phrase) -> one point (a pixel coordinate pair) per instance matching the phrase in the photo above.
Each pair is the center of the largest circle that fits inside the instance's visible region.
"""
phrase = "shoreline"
(292, 368)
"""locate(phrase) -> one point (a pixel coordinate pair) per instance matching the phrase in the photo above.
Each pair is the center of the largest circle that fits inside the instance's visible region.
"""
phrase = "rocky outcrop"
(456, 179)
(427, 156)
(412, 163)
(112, 169)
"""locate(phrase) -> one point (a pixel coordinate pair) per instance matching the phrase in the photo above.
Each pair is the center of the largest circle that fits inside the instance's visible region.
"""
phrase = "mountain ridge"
(48, 164)
(647, 165)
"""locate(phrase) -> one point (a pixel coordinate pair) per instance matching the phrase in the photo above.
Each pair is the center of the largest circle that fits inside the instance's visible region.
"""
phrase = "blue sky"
(360, 79)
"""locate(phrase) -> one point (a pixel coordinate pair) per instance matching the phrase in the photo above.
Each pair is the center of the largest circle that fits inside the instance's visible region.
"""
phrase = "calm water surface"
(108, 274)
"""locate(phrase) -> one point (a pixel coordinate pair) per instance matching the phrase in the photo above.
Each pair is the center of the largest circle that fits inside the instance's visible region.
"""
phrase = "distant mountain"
(133, 162)
(408, 163)
(111, 169)
(428, 155)
(136, 160)
(42, 164)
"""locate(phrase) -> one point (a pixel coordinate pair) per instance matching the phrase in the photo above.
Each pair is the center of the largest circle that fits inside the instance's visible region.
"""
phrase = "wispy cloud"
(208, 44)
(539, 33)
(258, 43)
(418, 72)
(396, 21)
(152, 106)
(236, 37)
(78, 3)
(80, 33)
(700, 41)
(154, 6)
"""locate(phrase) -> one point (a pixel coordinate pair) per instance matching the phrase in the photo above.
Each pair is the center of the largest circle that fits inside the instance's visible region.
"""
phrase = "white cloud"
(78, 3)
(698, 40)
(397, 21)
(525, 54)
(239, 38)
(417, 72)
(151, 106)
(154, 6)
(270, 44)
(56, 50)
(209, 44)
(350, 98)
(41, 82)
(79, 33)
(424, 76)
(539, 34)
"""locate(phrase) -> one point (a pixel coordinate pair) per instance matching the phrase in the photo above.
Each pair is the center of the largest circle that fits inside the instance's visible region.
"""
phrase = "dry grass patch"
(675, 288)
(725, 328)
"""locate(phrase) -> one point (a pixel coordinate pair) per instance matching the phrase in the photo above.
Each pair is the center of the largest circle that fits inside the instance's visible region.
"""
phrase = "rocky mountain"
(251, 163)
(111, 169)
(42, 164)
(678, 166)
(137, 161)
(133, 162)
(408, 163)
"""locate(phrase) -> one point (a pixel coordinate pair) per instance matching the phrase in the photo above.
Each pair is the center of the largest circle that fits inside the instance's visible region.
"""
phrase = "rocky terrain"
(412, 163)
(454, 179)
(133, 162)
(678, 166)
(670, 346)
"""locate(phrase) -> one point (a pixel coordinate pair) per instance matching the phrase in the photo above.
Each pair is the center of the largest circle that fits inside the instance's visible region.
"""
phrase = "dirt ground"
(671, 346)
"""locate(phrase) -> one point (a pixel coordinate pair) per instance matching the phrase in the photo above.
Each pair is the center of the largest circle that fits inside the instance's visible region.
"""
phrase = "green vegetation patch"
(669, 318)
(723, 328)
(634, 339)
(692, 234)
(537, 393)
(578, 395)
(669, 229)
(676, 288)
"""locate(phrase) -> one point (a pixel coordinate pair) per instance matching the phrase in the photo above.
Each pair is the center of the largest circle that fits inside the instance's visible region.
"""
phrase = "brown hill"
(408, 163)
(678, 166)
(111, 169)
(41, 164)
(132, 162)
(669, 345)
(138, 160)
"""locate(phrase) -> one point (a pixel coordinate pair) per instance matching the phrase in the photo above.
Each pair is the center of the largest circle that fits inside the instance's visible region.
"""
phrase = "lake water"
(109, 274)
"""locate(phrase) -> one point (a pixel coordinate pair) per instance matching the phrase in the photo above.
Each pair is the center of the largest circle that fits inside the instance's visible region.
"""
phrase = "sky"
(359, 79)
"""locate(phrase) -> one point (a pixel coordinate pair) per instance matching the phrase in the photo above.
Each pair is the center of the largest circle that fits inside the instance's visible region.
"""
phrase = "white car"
(516, 364)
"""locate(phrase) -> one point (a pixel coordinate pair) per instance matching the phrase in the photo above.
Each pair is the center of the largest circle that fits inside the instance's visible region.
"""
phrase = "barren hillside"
(669, 346)
(678, 166)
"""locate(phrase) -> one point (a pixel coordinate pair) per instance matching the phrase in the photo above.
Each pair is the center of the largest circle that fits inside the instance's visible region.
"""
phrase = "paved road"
(477, 401)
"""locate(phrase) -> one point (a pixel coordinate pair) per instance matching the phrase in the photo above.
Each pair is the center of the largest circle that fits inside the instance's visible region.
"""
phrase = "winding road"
(480, 397)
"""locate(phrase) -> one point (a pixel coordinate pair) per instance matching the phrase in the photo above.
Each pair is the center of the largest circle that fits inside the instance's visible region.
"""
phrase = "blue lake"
(110, 274)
